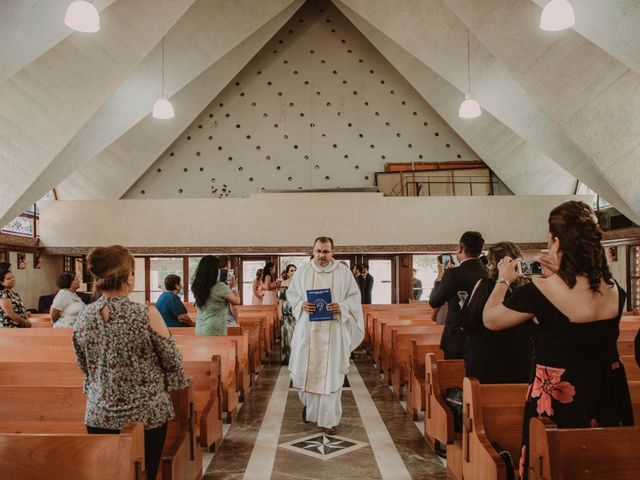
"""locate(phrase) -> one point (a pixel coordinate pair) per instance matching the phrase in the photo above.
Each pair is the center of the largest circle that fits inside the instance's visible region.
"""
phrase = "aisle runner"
(318, 445)
(264, 452)
(388, 459)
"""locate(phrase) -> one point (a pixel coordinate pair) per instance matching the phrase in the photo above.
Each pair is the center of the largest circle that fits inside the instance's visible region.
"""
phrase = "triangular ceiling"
(557, 106)
(317, 107)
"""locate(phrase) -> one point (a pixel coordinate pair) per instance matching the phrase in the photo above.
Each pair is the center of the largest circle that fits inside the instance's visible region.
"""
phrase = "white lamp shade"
(82, 16)
(557, 15)
(470, 108)
(163, 109)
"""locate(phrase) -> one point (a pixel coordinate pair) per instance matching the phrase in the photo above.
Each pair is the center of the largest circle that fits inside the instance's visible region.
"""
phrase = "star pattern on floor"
(323, 446)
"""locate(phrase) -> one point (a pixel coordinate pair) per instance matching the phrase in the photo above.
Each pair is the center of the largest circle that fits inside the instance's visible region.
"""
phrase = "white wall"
(32, 283)
(295, 219)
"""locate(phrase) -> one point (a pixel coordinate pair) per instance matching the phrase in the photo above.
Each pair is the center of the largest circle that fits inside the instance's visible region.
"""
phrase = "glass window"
(426, 271)
(380, 270)
(294, 260)
(21, 226)
(138, 294)
(160, 267)
(598, 202)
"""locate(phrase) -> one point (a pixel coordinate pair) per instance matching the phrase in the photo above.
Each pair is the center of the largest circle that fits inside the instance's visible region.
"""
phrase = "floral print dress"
(578, 380)
(18, 307)
(129, 368)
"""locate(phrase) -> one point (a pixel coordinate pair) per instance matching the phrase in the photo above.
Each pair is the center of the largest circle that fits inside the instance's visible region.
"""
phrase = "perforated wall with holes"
(318, 107)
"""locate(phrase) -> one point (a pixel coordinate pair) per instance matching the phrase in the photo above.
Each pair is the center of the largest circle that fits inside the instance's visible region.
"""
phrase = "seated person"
(66, 305)
(170, 306)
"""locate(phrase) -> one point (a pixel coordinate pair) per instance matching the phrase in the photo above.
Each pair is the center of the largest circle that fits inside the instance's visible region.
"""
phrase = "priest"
(320, 350)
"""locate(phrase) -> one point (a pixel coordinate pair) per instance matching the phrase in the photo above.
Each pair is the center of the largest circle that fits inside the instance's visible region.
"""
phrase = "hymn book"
(320, 298)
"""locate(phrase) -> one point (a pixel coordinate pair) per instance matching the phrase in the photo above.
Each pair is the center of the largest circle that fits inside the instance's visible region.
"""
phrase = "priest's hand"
(334, 307)
(308, 307)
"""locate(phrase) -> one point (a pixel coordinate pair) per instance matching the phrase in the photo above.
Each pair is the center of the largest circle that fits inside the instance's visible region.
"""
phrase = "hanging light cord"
(162, 66)
(469, 59)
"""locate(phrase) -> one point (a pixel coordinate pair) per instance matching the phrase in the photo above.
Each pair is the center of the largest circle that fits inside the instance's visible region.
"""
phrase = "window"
(426, 271)
(160, 267)
(598, 202)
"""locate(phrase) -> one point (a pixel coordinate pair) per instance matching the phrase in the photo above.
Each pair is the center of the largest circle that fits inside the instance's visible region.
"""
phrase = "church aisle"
(375, 439)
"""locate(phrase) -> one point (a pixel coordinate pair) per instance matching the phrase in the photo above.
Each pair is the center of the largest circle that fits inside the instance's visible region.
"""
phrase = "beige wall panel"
(31, 284)
(294, 219)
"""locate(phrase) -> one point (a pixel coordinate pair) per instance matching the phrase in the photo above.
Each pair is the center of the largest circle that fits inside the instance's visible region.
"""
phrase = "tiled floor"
(375, 439)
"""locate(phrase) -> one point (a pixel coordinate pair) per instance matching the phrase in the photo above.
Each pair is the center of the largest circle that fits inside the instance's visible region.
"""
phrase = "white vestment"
(320, 351)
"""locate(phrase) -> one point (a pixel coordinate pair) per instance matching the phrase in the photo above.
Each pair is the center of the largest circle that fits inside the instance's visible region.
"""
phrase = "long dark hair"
(205, 278)
(267, 270)
(575, 225)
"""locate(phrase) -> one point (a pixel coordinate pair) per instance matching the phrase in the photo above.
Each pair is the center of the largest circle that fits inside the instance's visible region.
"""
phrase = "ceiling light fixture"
(470, 108)
(557, 15)
(82, 16)
(163, 109)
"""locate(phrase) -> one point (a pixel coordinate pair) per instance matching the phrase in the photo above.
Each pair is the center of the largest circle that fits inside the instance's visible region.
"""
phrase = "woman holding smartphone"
(578, 380)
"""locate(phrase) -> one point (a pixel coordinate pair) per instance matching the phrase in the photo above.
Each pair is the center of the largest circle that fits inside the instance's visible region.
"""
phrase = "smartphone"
(446, 260)
(529, 268)
(229, 276)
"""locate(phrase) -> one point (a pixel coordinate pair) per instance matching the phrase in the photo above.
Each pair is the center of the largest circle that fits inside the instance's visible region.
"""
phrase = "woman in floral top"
(578, 380)
(12, 311)
(128, 357)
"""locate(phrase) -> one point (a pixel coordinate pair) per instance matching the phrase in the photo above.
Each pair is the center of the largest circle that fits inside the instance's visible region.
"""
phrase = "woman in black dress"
(578, 381)
(495, 357)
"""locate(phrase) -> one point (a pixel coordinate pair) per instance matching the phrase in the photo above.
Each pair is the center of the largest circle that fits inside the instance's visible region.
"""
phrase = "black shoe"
(304, 415)
(284, 362)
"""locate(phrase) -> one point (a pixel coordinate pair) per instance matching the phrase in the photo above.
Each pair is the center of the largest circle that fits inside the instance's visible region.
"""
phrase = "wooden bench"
(55, 412)
(18, 367)
(402, 326)
(491, 413)
(576, 453)
(400, 363)
(383, 324)
(440, 375)
(25, 456)
(398, 308)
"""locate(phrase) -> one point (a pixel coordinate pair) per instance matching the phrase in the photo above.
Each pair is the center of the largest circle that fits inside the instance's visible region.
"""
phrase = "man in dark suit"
(449, 288)
(366, 280)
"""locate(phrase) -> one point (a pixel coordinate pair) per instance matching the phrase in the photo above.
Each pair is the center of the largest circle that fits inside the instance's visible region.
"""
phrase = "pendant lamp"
(82, 16)
(557, 15)
(470, 108)
(163, 109)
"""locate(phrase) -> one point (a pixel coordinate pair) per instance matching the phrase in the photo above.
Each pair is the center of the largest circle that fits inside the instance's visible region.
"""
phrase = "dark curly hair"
(575, 225)
(205, 278)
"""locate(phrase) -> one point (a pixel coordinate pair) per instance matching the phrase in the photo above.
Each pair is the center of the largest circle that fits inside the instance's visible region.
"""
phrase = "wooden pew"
(270, 312)
(491, 413)
(48, 409)
(632, 370)
(243, 375)
(383, 323)
(439, 376)
(370, 312)
(417, 391)
(416, 325)
(36, 367)
(399, 367)
(573, 453)
(25, 456)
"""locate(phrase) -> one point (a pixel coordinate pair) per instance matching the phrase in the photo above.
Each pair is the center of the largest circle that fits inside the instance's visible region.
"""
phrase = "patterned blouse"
(129, 368)
(18, 307)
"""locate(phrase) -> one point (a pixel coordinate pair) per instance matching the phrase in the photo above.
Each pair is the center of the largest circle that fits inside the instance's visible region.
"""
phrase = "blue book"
(320, 298)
